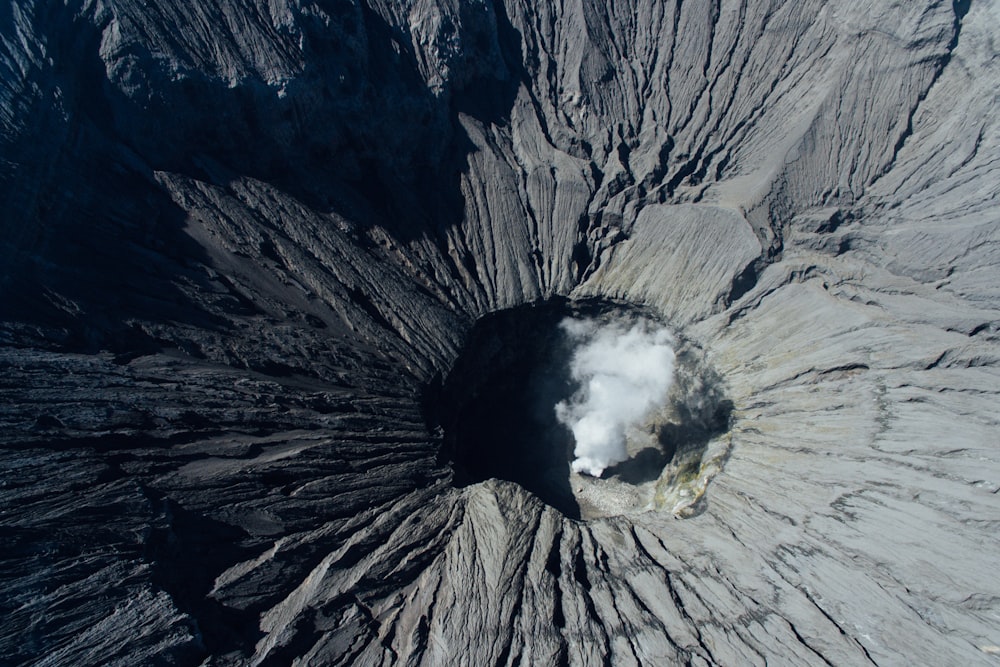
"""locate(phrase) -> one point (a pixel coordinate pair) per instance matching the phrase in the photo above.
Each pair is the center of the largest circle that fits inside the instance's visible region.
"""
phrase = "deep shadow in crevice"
(187, 552)
(497, 404)
(644, 467)
(744, 282)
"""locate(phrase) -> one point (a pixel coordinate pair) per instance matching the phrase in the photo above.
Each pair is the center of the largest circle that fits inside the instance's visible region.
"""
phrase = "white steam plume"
(624, 371)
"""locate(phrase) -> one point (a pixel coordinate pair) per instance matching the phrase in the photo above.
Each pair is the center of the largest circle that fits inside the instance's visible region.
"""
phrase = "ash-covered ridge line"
(241, 240)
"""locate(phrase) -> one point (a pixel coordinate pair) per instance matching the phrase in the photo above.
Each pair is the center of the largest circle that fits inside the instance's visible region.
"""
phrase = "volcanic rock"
(244, 244)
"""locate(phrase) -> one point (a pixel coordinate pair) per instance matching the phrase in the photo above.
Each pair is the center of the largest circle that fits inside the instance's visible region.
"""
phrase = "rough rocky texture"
(239, 241)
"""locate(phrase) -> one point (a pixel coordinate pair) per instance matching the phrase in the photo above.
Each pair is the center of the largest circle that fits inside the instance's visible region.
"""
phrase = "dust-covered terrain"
(244, 248)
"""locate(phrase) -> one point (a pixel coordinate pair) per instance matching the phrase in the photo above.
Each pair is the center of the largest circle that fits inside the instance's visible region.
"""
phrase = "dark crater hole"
(497, 408)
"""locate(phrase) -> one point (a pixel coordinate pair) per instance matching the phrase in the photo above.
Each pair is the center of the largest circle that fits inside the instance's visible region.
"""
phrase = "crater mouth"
(497, 410)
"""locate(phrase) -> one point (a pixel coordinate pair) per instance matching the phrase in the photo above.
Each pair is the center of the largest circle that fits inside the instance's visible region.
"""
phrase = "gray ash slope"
(239, 241)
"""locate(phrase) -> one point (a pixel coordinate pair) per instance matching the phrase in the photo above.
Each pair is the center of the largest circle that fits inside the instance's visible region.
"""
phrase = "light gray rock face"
(242, 242)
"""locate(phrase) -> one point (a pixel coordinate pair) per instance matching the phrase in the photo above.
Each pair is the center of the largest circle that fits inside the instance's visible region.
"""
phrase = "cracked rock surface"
(241, 243)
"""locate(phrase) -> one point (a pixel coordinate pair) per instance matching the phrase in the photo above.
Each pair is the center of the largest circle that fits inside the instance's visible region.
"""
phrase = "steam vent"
(304, 350)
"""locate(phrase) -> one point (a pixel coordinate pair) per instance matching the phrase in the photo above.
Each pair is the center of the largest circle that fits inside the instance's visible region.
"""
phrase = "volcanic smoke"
(624, 370)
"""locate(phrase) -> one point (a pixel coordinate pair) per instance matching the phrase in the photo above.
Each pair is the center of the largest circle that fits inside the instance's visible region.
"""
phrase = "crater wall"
(239, 241)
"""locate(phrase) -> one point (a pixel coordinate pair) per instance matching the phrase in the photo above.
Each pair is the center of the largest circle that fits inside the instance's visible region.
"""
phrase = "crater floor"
(497, 415)
(247, 247)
